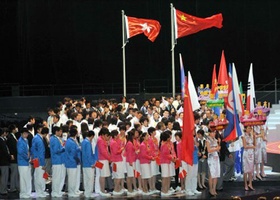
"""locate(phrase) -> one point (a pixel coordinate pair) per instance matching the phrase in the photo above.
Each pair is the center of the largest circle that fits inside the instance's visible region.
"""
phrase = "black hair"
(142, 136)
(179, 134)
(201, 132)
(130, 136)
(150, 130)
(104, 131)
(45, 130)
(114, 133)
(73, 132)
(90, 133)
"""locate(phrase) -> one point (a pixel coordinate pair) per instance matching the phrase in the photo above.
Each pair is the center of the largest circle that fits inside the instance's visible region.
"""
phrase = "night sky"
(79, 41)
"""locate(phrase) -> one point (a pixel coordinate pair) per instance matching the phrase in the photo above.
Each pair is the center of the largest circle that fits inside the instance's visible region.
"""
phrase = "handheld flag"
(186, 24)
(193, 94)
(135, 26)
(251, 97)
(188, 129)
(233, 130)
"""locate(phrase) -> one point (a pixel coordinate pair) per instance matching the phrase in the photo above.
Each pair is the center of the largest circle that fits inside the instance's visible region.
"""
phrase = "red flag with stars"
(188, 129)
(188, 24)
(149, 27)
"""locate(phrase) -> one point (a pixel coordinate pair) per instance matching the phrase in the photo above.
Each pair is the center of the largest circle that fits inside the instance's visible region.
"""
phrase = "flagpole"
(123, 47)
(172, 50)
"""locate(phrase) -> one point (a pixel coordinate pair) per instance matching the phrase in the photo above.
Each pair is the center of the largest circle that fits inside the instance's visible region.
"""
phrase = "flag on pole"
(135, 26)
(192, 92)
(251, 97)
(186, 24)
(182, 72)
(233, 129)
(237, 94)
(223, 75)
(214, 90)
(188, 129)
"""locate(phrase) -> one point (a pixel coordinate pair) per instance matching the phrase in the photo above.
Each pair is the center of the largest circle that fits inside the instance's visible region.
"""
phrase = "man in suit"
(12, 145)
(4, 162)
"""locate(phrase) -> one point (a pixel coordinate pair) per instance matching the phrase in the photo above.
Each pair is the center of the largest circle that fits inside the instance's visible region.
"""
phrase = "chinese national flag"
(188, 24)
(149, 27)
(99, 164)
(182, 174)
(36, 162)
(188, 129)
(136, 174)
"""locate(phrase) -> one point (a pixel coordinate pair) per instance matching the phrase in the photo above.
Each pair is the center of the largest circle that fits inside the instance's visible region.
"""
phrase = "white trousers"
(191, 179)
(97, 183)
(25, 179)
(88, 177)
(72, 181)
(58, 178)
(78, 179)
(39, 181)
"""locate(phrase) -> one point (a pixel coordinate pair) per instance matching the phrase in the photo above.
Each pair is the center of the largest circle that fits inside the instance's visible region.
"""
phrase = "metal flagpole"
(123, 47)
(172, 50)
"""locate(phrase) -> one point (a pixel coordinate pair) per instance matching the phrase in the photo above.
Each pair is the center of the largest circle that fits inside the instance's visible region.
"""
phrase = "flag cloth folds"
(223, 75)
(251, 96)
(237, 94)
(214, 90)
(182, 73)
(188, 128)
(192, 91)
(135, 26)
(233, 129)
(186, 24)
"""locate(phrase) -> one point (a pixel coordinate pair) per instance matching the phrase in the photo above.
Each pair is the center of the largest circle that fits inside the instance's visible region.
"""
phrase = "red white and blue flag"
(233, 129)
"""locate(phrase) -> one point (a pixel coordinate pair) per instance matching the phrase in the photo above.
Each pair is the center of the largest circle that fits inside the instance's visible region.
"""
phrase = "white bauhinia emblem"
(145, 27)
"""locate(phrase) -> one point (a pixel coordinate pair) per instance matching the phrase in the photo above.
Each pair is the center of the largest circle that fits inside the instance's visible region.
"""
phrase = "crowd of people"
(120, 148)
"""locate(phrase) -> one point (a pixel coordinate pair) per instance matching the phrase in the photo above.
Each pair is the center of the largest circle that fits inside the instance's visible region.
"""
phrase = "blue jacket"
(57, 151)
(88, 158)
(38, 149)
(72, 153)
(22, 152)
(195, 155)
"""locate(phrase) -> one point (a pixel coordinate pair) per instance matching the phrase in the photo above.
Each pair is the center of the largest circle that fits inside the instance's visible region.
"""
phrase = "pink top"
(179, 150)
(145, 156)
(136, 144)
(172, 149)
(165, 153)
(103, 152)
(130, 152)
(123, 143)
(153, 142)
(116, 150)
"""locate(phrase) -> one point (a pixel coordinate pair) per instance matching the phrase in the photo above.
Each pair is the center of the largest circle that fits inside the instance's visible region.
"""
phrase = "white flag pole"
(123, 47)
(172, 50)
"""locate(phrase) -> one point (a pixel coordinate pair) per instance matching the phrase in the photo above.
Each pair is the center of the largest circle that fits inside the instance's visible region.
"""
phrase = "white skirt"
(146, 171)
(137, 166)
(105, 171)
(119, 173)
(165, 170)
(130, 169)
(154, 168)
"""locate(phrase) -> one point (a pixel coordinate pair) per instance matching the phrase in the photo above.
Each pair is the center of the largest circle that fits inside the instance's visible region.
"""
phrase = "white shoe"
(73, 195)
(196, 192)
(171, 190)
(165, 194)
(140, 191)
(117, 193)
(146, 193)
(123, 190)
(189, 193)
(130, 194)
(182, 191)
(104, 194)
(155, 191)
(178, 188)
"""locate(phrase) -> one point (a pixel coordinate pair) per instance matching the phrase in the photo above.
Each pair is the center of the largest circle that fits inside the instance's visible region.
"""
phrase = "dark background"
(79, 41)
